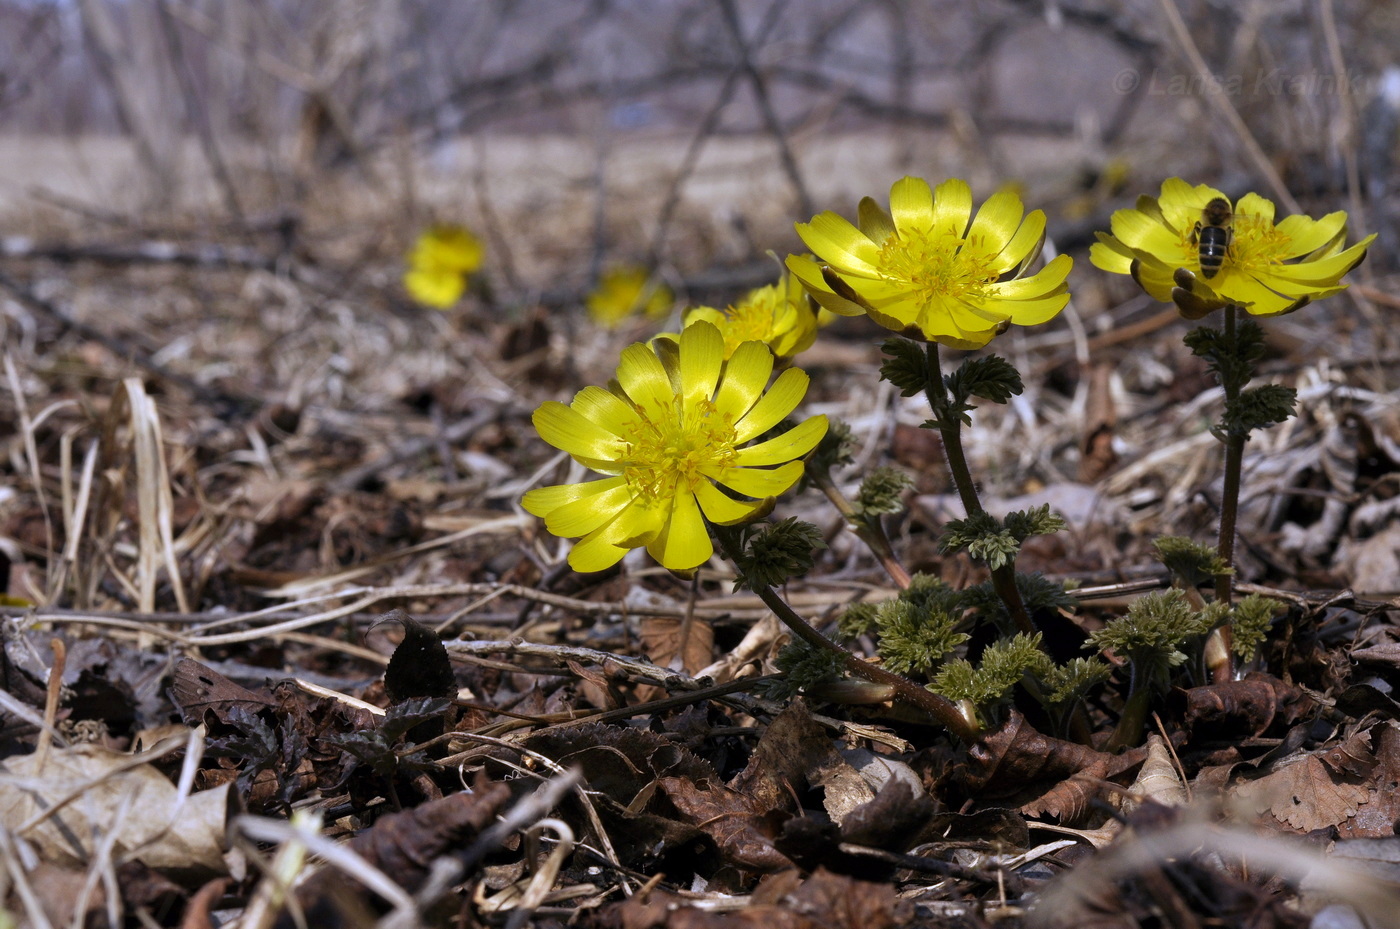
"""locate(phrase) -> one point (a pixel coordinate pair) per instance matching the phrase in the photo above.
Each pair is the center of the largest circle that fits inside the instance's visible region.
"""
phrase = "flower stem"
(936, 706)
(950, 428)
(1234, 463)
(868, 529)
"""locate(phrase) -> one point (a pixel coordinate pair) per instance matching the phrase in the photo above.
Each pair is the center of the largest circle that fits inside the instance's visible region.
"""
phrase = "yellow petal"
(794, 443)
(605, 408)
(1325, 272)
(543, 500)
(1142, 233)
(1042, 282)
(1110, 255)
(745, 376)
(952, 208)
(685, 541)
(874, 220)
(781, 399)
(589, 513)
(809, 275)
(704, 314)
(1032, 311)
(1252, 204)
(644, 379)
(1306, 234)
(762, 482)
(589, 555)
(435, 288)
(724, 510)
(911, 204)
(566, 429)
(995, 225)
(702, 356)
(840, 244)
(1024, 246)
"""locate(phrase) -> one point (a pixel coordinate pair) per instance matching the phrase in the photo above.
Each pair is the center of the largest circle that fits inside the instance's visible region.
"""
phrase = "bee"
(1213, 235)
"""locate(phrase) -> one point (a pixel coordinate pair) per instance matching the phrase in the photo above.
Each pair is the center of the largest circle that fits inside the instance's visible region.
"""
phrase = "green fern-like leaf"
(1192, 563)
(915, 637)
(858, 620)
(1073, 679)
(1249, 623)
(882, 491)
(1153, 632)
(804, 666)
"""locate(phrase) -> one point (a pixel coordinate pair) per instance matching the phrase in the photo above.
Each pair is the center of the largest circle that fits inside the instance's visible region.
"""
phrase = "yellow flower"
(671, 429)
(777, 314)
(439, 264)
(1267, 268)
(623, 291)
(922, 266)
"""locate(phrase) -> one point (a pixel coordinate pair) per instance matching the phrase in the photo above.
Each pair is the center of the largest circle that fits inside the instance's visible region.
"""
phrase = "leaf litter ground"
(316, 664)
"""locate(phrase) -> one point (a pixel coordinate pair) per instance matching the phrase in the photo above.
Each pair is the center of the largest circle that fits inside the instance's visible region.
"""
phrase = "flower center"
(937, 264)
(1258, 244)
(753, 320)
(668, 454)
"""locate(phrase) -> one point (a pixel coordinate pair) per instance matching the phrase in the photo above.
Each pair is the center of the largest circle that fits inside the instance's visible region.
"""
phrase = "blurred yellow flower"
(673, 428)
(1265, 267)
(927, 264)
(439, 264)
(777, 314)
(623, 291)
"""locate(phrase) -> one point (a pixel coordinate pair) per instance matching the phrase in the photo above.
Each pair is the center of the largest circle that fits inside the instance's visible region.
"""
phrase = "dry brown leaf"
(1305, 795)
(1378, 815)
(1158, 780)
(108, 793)
(679, 644)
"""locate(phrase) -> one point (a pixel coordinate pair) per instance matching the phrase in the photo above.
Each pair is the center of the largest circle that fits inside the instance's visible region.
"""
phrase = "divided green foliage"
(773, 552)
(1259, 408)
(907, 366)
(882, 491)
(1249, 623)
(859, 619)
(1190, 563)
(804, 666)
(917, 630)
(994, 541)
(1038, 593)
(1072, 680)
(1153, 633)
(990, 378)
(1003, 664)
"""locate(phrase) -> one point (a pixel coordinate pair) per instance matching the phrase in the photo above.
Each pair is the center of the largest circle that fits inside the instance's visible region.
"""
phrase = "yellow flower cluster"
(625, 291)
(779, 315)
(439, 264)
(671, 434)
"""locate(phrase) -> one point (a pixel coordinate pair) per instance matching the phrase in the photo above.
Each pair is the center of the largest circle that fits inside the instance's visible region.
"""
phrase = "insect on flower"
(1213, 234)
(1188, 246)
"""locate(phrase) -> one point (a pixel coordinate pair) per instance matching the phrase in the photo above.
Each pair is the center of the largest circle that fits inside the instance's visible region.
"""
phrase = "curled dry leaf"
(1158, 780)
(1241, 708)
(107, 793)
(403, 846)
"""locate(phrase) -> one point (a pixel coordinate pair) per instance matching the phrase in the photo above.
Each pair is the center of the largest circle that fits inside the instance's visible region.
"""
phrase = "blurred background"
(682, 132)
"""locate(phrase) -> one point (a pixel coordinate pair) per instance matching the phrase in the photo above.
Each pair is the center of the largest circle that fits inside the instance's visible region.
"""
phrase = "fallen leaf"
(105, 793)
(1379, 814)
(1304, 794)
